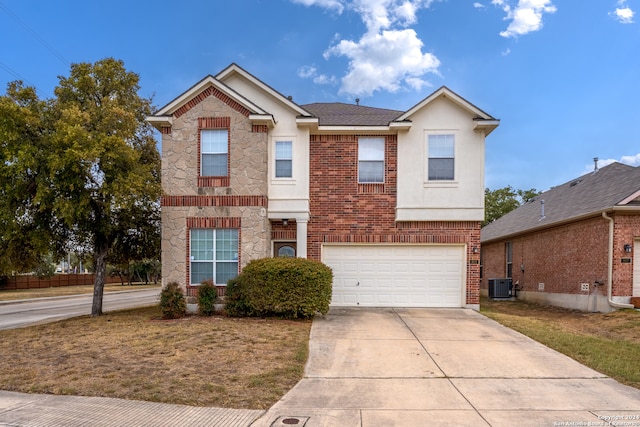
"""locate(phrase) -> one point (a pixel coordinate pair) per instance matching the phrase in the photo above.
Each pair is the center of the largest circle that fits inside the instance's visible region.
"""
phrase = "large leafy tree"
(503, 200)
(94, 162)
(100, 168)
(27, 231)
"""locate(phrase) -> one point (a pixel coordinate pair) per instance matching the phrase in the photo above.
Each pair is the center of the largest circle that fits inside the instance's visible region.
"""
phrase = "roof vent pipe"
(595, 165)
(541, 210)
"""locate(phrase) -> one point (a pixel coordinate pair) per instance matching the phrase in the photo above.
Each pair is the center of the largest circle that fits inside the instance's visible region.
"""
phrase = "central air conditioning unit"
(500, 288)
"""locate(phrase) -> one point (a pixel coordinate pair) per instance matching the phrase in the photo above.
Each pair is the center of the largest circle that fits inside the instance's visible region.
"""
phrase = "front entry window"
(214, 255)
(285, 250)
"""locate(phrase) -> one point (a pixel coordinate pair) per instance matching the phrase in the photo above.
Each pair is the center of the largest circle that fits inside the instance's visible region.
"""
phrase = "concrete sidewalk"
(31, 410)
(437, 367)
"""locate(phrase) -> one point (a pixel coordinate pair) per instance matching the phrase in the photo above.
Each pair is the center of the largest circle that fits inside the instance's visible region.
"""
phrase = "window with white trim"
(214, 255)
(441, 157)
(284, 159)
(214, 145)
(370, 160)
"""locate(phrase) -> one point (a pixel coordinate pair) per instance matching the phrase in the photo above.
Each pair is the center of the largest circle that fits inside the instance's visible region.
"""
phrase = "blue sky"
(563, 76)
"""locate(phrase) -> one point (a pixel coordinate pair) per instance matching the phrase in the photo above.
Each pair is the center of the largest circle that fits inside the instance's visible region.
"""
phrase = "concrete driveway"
(417, 367)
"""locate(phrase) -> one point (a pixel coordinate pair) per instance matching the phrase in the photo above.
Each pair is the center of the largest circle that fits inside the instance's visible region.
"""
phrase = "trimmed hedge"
(172, 302)
(207, 297)
(286, 287)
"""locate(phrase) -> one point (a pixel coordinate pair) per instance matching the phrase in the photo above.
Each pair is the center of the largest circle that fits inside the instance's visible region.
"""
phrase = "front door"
(284, 249)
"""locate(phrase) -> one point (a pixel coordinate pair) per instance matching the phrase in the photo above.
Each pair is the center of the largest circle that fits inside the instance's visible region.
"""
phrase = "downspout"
(610, 267)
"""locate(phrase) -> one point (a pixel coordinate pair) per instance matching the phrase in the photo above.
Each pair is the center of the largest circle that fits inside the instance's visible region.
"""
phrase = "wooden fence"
(57, 280)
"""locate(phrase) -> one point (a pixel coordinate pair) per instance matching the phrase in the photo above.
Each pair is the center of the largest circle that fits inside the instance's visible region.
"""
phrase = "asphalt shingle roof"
(592, 193)
(340, 114)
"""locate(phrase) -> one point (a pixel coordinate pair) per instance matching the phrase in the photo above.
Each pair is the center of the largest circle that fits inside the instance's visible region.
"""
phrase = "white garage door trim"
(394, 275)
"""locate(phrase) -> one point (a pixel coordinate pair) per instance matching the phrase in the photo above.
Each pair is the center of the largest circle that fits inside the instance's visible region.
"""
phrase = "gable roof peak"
(234, 69)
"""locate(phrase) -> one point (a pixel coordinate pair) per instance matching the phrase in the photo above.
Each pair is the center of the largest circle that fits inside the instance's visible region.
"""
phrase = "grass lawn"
(10, 295)
(608, 343)
(134, 354)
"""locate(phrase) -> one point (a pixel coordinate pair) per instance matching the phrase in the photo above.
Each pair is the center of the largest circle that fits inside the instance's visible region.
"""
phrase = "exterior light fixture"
(627, 248)
(285, 221)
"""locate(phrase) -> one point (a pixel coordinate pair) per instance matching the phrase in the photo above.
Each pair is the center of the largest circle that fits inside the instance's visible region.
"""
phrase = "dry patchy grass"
(201, 361)
(608, 343)
(12, 295)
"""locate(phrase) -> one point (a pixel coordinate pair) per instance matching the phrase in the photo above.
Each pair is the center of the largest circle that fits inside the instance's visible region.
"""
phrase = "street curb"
(21, 301)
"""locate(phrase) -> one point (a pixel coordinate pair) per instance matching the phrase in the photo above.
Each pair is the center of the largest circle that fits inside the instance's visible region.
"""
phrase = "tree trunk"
(100, 254)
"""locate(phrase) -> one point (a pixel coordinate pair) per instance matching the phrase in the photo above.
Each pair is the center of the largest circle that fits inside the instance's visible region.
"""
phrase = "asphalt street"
(17, 314)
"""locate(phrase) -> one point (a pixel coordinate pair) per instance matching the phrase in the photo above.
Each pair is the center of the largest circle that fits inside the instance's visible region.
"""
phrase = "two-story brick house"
(391, 200)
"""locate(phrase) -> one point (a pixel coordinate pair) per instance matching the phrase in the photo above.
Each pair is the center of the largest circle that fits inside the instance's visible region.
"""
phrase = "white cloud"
(478, 5)
(623, 14)
(307, 71)
(311, 72)
(323, 79)
(336, 5)
(525, 17)
(632, 160)
(389, 55)
(384, 61)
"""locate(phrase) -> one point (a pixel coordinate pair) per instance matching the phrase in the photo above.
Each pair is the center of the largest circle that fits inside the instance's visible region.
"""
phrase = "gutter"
(610, 267)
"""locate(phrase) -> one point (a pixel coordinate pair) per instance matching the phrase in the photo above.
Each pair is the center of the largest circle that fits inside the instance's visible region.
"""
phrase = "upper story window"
(284, 159)
(441, 157)
(371, 160)
(214, 146)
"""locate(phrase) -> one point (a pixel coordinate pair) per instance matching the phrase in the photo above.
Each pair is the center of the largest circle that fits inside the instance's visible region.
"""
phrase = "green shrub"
(235, 304)
(207, 297)
(172, 302)
(286, 287)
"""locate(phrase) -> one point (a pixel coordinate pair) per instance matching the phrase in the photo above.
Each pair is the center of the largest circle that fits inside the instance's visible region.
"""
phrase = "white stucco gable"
(483, 121)
(442, 116)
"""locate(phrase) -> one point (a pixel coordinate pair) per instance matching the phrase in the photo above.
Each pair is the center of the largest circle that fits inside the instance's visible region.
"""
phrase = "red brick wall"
(625, 231)
(337, 205)
(342, 211)
(566, 256)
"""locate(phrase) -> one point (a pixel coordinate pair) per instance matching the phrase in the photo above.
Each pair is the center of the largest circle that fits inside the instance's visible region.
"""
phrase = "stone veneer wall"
(254, 236)
(247, 153)
(245, 198)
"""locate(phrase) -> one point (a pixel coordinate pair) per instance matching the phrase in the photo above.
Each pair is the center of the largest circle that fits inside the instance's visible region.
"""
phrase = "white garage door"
(396, 275)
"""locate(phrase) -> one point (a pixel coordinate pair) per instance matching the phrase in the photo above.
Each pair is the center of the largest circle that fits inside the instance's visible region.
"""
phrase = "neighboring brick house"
(576, 245)
(391, 200)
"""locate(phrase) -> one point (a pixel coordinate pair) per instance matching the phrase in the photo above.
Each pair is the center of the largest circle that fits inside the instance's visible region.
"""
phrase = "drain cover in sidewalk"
(289, 421)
